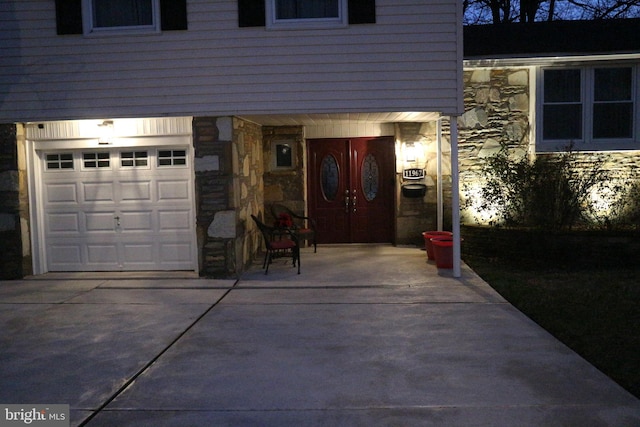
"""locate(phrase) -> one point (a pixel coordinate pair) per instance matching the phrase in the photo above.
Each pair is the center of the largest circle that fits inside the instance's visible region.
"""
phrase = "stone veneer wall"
(496, 103)
(215, 219)
(497, 113)
(248, 189)
(11, 179)
(415, 215)
(229, 190)
(287, 186)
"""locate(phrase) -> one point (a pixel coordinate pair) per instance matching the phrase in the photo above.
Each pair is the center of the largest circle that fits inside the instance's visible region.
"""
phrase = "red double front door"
(351, 189)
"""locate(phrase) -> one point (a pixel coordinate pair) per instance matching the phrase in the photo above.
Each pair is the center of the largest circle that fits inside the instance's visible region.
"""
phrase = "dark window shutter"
(362, 11)
(69, 16)
(251, 13)
(173, 15)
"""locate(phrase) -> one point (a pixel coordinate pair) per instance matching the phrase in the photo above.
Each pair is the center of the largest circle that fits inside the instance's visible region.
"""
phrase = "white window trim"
(90, 30)
(304, 24)
(588, 143)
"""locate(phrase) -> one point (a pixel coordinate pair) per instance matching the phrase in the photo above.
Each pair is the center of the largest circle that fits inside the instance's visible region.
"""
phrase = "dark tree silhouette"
(502, 11)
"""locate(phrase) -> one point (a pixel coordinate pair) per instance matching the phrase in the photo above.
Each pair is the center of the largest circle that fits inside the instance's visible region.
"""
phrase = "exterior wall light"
(106, 132)
(410, 152)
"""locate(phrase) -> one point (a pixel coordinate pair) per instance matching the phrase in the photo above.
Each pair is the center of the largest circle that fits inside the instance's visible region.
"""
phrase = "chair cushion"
(283, 244)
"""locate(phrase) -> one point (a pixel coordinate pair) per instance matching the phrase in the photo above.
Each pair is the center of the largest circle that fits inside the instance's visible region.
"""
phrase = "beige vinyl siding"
(407, 61)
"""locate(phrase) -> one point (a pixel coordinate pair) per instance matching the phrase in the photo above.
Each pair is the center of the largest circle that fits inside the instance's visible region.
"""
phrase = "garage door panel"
(139, 253)
(62, 193)
(99, 222)
(101, 254)
(173, 190)
(135, 191)
(65, 256)
(63, 223)
(175, 220)
(136, 221)
(175, 252)
(98, 192)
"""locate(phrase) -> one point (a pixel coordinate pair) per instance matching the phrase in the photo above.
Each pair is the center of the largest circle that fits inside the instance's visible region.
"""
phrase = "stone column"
(10, 231)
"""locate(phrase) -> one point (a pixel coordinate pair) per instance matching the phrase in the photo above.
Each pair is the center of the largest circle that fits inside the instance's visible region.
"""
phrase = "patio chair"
(278, 243)
(303, 226)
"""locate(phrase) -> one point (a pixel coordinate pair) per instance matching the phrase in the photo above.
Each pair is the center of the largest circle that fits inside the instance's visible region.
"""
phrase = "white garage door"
(118, 209)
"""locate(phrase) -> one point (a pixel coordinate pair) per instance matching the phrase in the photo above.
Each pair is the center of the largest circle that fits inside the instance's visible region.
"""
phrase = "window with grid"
(107, 16)
(172, 158)
(612, 103)
(99, 160)
(58, 161)
(589, 108)
(306, 13)
(562, 111)
(307, 9)
(134, 159)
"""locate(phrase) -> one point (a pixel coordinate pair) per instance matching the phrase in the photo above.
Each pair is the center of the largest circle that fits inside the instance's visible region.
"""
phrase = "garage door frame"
(67, 137)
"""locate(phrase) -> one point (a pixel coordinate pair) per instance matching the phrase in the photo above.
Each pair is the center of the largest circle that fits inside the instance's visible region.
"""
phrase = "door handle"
(117, 220)
(346, 204)
(353, 201)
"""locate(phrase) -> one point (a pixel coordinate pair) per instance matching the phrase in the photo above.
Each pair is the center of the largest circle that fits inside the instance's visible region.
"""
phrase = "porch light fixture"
(410, 152)
(106, 132)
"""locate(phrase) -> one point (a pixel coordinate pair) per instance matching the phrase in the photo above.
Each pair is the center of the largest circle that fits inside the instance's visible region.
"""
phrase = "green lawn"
(596, 312)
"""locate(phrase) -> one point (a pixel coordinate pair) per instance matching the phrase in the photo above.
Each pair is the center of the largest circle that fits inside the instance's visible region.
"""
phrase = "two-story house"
(142, 134)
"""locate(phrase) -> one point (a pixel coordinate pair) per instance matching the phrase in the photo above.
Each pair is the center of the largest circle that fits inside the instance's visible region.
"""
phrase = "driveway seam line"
(148, 365)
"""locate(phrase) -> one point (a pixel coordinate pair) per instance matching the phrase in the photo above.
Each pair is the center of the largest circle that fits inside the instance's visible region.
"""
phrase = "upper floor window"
(590, 108)
(307, 9)
(120, 15)
(306, 13)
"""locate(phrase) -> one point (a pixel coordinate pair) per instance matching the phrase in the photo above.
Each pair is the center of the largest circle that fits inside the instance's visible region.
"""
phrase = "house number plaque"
(413, 173)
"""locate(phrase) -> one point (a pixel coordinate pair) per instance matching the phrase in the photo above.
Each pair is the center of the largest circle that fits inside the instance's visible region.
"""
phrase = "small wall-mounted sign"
(413, 173)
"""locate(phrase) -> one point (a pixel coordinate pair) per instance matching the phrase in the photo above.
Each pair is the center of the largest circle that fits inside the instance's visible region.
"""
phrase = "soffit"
(339, 118)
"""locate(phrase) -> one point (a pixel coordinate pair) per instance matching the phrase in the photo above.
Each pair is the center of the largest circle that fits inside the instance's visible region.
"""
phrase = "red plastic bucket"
(428, 235)
(443, 251)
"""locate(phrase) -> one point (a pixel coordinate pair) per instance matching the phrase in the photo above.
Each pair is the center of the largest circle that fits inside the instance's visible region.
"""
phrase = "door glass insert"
(172, 158)
(59, 161)
(329, 178)
(96, 160)
(134, 159)
(370, 177)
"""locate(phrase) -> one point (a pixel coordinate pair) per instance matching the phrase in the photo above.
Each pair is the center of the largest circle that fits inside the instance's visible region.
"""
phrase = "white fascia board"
(546, 60)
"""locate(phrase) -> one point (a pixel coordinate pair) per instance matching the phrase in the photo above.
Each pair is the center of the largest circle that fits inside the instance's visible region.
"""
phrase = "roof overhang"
(556, 59)
(324, 119)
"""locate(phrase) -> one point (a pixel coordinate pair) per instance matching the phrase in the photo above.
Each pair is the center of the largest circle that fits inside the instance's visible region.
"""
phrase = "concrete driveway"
(365, 336)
